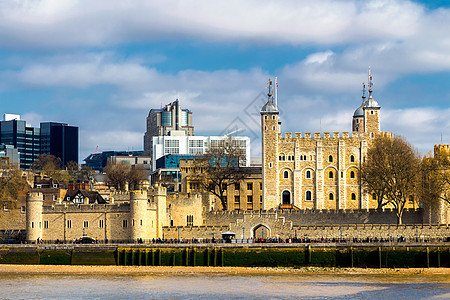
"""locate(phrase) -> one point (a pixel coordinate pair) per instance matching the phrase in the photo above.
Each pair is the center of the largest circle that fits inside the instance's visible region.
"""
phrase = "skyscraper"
(22, 136)
(172, 120)
(60, 140)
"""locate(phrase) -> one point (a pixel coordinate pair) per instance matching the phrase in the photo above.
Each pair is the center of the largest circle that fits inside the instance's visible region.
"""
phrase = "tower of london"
(317, 170)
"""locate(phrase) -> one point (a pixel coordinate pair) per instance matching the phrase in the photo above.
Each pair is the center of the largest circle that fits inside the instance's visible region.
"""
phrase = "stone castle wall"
(320, 217)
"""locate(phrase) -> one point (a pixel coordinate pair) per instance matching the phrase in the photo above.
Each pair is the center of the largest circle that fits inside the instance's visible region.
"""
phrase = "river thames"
(63, 282)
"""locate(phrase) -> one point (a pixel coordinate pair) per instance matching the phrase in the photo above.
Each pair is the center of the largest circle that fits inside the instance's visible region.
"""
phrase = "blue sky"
(103, 65)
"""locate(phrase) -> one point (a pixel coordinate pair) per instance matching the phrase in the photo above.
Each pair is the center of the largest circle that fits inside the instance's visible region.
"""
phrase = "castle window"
(249, 199)
(308, 174)
(330, 174)
(286, 174)
(371, 112)
(411, 199)
(132, 222)
(260, 201)
(140, 222)
(372, 135)
(374, 196)
(45, 224)
(69, 223)
(237, 199)
(330, 196)
(330, 158)
(190, 220)
(237, 186)
(265, 127)
(85, 224)
(270, 165)
(352, 158)
(353, 196)
(273, 117)
(308, 196)
(352, 174)
(273, 127)
(249, 186)
(32, 224)
(265, 117)
(304, 157)
(100, 223)
(260, 186)
(22, 209)
(124, 223)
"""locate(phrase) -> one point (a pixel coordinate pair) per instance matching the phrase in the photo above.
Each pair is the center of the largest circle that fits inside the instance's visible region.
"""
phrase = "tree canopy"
(221, 166)
(391, 171)
(118, 175)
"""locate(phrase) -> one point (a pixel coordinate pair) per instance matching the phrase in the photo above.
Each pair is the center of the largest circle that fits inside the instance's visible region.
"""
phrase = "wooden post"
(379, 257)
(351, 257)
(428, 257)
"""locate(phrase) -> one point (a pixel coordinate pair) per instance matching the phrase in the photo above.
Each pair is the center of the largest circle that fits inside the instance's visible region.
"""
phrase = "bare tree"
(135, 176)
(220, 167)
(118, 175)
(12, 182)
(391, 170)
(435, 177)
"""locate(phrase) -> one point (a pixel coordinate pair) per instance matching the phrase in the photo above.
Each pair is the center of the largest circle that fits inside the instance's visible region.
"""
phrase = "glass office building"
(23, 137)
(60, 140)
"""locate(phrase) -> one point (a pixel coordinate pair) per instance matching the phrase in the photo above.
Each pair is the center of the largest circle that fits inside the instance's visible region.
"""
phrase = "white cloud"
(50, 23)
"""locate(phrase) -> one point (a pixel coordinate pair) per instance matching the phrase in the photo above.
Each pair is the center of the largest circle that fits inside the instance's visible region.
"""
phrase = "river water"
(224, 286)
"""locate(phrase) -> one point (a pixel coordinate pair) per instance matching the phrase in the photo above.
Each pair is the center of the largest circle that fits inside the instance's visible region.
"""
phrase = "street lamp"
(243, 230)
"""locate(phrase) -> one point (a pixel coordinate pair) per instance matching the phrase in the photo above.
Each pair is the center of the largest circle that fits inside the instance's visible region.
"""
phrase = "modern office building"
(172, 120)
(23, 137)
(194, 145)
(98, 161)
(60, 140)
(8, 155)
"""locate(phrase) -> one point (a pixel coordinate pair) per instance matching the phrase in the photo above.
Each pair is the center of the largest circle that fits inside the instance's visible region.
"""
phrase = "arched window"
(353, 196)
(330, 174)
(286, 174)
(352, 158)
(330, 158)
(330, 196)
(308, 196)
(304, 157)
(308, 174)
(374, 196)
(352, 174)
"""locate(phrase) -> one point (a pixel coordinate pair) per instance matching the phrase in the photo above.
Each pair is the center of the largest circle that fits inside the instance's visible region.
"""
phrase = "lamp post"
(243, 230)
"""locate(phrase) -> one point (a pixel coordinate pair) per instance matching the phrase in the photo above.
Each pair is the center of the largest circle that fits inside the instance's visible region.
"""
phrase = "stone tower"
(366, 118)
(358, 116)
(371, 112)
(35, 203)
(270, 130)
(139, 217)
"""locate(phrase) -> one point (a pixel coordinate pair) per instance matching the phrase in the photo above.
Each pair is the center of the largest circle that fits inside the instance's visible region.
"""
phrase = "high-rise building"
(22, 136)
(60, 140)
(172, 120)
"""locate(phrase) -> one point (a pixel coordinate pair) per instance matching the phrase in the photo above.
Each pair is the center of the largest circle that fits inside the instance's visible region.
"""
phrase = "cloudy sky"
(102, 65)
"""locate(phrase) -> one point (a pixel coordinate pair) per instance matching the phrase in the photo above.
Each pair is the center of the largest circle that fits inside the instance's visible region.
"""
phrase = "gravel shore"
(141, 270)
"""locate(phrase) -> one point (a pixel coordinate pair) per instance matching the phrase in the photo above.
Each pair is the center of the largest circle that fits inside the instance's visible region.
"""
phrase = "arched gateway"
(261, 232)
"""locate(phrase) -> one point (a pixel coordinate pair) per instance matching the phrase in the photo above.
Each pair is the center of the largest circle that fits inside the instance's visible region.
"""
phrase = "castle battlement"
(92, 208)
(315, 135)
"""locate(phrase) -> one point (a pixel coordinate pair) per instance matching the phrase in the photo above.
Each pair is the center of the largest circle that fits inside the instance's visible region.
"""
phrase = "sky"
(102, 65)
